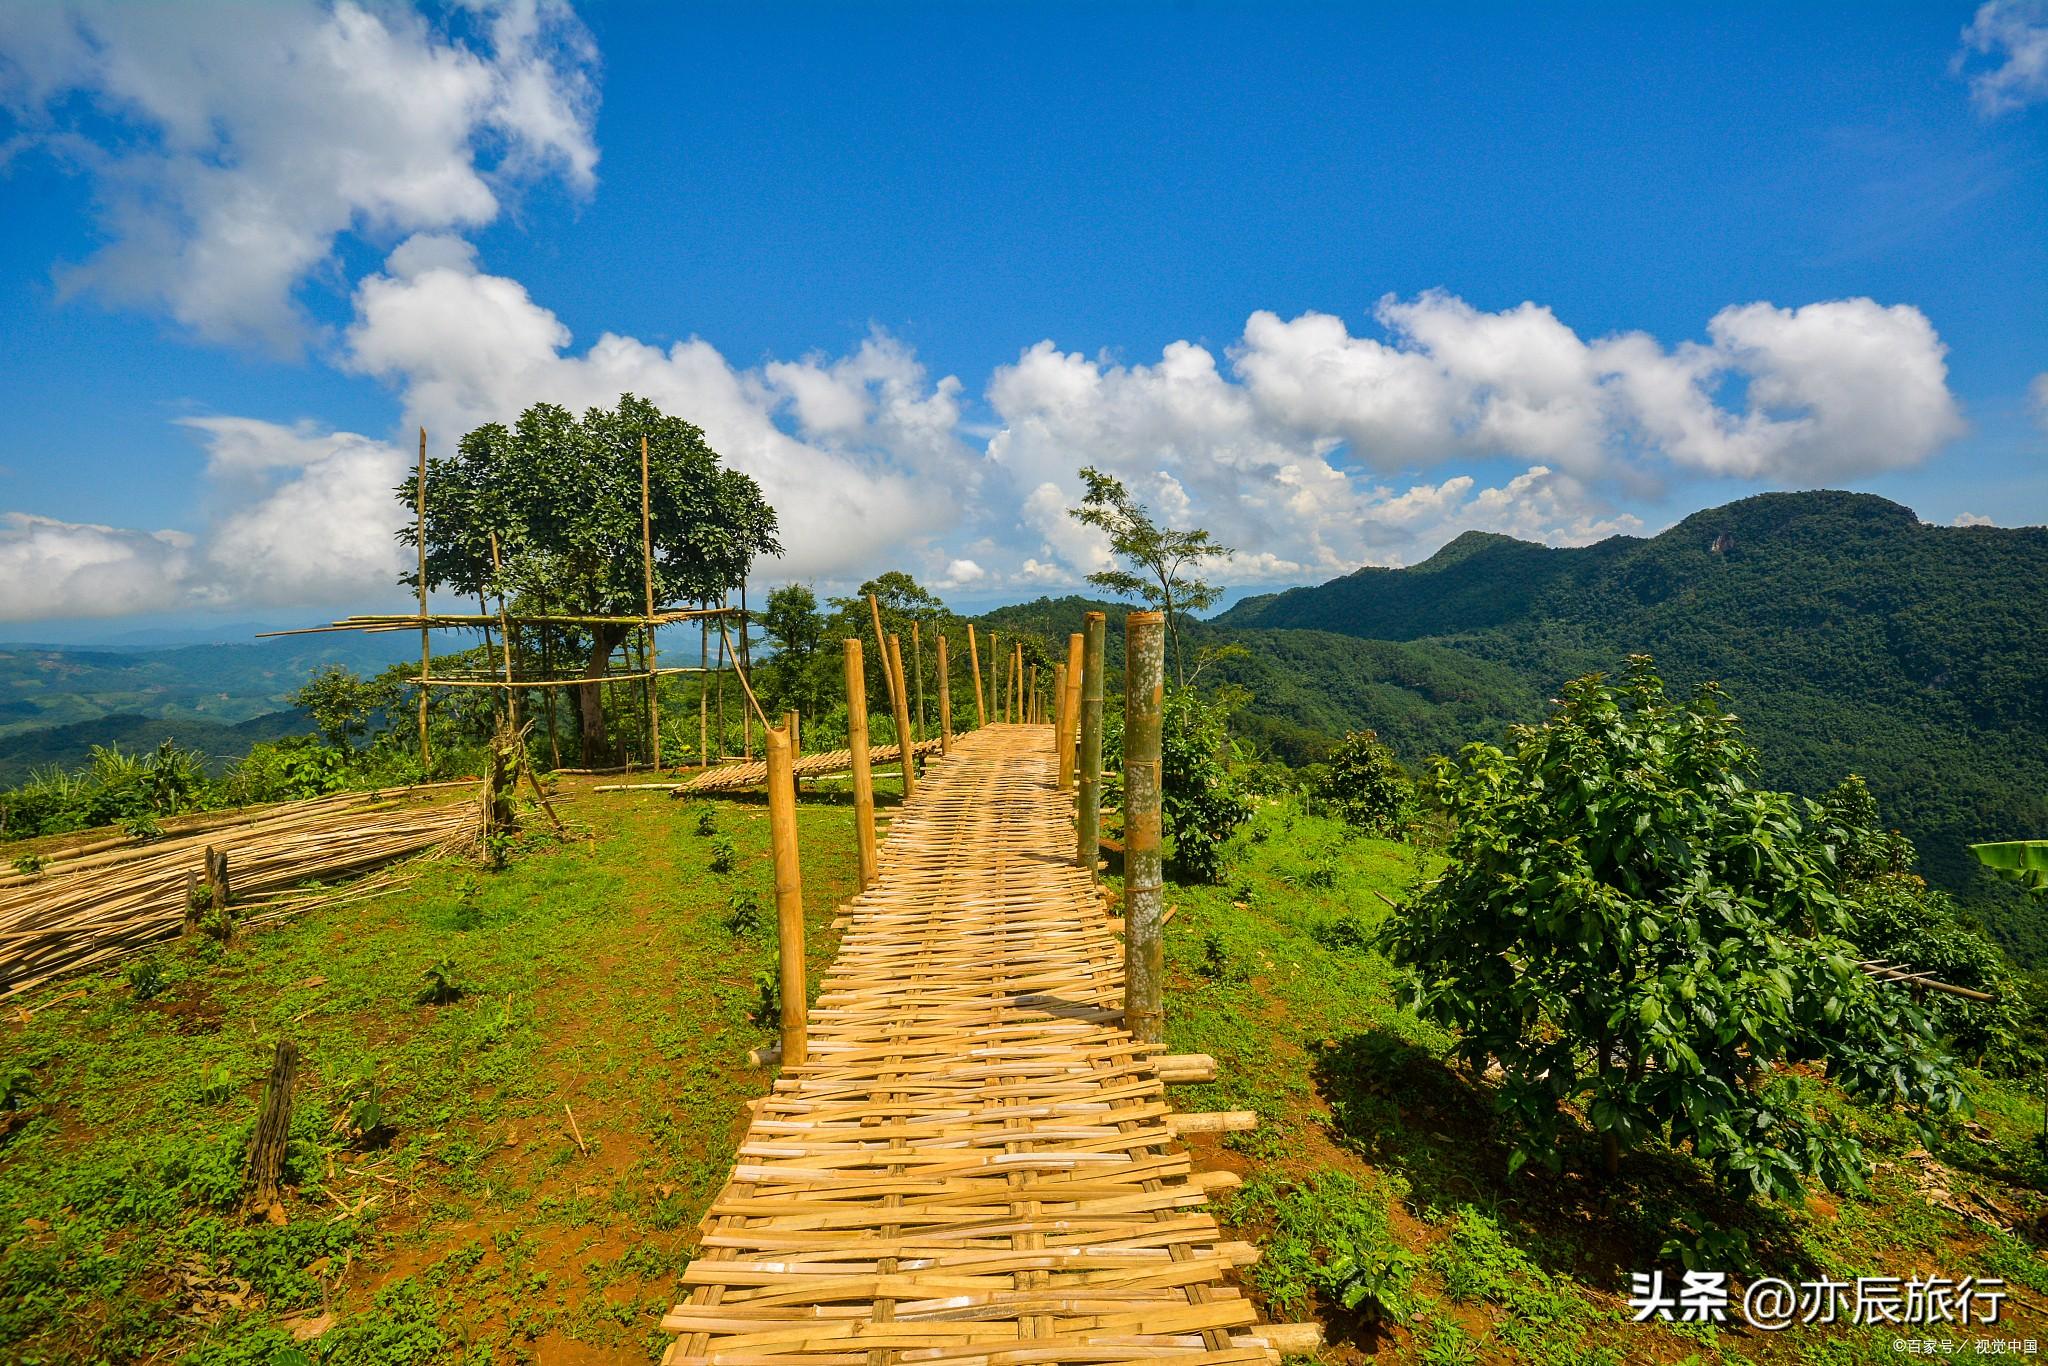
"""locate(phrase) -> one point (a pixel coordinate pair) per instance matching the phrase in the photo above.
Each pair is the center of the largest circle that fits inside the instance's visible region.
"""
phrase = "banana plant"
(2021, 861)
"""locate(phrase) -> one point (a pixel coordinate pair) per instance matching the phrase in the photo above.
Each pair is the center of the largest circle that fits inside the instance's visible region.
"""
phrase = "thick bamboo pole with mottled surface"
(426, 637)
(653, 651)
(1070, 709)
(863, 777)
(1144, 709)
(789, 895)
(905, 744)
(1088, 795)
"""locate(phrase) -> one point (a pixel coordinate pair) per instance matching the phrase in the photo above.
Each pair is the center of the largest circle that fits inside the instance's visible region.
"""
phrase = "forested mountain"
(1848, 635)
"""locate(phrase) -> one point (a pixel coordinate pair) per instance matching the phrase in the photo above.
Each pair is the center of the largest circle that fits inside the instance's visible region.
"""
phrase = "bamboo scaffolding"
(737, 777)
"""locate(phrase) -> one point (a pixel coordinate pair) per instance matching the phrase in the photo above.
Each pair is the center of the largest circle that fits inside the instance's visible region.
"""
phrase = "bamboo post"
(857, 748)
(917, 675)
(1144, 707)
(743, 660)
(505, 637)
(945, 699)
(1061, 766)
(974, 669)
(882, 655)
(703, 694)
(722, 650)
(1070, 709)
(653, 651)
(426, 646)
(904, 743)
(995, 673)
(1031, 694)
(789, 894)
(1088, 796)
(1017, 684)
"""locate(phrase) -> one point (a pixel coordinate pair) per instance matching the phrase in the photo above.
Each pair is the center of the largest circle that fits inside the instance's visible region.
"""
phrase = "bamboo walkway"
(976, 1166)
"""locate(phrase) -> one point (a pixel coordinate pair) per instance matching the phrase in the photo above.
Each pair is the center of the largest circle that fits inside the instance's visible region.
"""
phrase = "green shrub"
(1364, 786)
(1202, 800)
(1631, 929)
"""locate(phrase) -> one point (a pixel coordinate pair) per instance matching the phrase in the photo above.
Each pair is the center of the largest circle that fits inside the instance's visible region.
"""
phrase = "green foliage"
(767, 998)
(17, 1086)
(743, 914)
(28, 865)
(1631, 929)
(707, 821)
(216, 1085)
(724, 855)
(1165, 561)
(363, 1114)
(1364, 785)
(441, 987)
(1331, 1240)
(341, 704)
(145, 977)
(1201, 798)
(2024, 862)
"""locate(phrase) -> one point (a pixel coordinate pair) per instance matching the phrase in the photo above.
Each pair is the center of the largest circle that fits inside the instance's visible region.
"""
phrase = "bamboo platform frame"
(976, 1162)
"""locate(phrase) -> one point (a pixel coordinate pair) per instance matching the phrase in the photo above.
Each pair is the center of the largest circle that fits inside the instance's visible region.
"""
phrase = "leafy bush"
(724, 854)
(1363, 785)
(743, 914)
(1331, 1238)
(1202, 801)
(1630, 928)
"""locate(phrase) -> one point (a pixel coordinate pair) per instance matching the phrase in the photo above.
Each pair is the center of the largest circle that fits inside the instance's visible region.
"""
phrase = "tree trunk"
(590, 696)
(273, 1124)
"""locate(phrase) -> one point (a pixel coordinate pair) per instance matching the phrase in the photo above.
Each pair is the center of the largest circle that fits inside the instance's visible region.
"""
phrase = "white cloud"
(874, 468)
(247, 138)
(1972, 519)
(2037, 398)
(51, 569)
(2013, 34)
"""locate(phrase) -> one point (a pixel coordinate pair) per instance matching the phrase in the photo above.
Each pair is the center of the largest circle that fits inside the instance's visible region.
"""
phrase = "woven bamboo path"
(975, 1165)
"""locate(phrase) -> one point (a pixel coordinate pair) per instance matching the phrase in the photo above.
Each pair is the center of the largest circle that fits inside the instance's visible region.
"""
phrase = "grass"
(617, 975)
(607, 974)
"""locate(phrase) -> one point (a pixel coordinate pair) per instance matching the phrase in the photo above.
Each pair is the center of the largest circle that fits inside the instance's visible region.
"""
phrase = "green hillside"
(1850, 637)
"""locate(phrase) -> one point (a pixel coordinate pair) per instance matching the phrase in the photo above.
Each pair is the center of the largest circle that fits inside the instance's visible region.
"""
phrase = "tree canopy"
(1163, 559)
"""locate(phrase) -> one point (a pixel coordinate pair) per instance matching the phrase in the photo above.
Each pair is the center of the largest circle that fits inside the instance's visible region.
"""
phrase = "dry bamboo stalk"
(857, 752)
(789, 895)
(1070, 709)
(1088, 785)
(1144, 698)
(945, 698)
(974, 672)
(426, 646)
(906, 742)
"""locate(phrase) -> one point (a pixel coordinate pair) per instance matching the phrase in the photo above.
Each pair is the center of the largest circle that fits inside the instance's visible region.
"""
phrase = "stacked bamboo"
(975, 1163)
(102, 903)
(739, 777)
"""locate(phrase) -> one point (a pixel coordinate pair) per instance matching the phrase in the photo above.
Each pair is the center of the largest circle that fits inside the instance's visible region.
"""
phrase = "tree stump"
(273, 1124)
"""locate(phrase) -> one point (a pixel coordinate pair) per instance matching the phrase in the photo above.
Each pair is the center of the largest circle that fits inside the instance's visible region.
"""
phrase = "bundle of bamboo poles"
(736, 777)
(100, 904)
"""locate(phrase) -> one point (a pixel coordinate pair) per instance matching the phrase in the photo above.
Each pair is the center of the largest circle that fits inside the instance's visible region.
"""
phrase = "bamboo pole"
(721, 692)
(505, 638)
(789, 896)
(743, 660)
(917, 675)
(945, 699)
(904, 742)
(1031, 695)
(647, 567)
(1063, 770)
(974, 670)
(1070, 708)
(1144, 707)
(995, 672)
(426, 639)
(882, 657)
(704, 697)
(1088, 796)
(1017, 684)
(857, 746)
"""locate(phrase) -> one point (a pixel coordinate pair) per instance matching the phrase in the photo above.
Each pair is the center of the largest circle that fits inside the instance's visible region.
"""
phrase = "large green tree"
(1164, 560)
(1633, 931)
(562, 494)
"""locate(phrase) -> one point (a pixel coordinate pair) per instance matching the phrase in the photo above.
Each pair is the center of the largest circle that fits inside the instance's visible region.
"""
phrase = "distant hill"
(56, 702)
(1848, 635)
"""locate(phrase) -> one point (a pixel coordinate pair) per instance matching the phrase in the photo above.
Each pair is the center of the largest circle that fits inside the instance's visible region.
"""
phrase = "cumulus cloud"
(2012, 37)
(2037, 398)
(1972, 519)
(230, 146)
(859, 455)
(56, 569)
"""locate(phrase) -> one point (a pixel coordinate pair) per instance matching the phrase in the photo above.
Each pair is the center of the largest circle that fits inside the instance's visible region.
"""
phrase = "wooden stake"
(945, 699)
(743, 660)
(1070, 708)
(1088, 789)
(917, 675)
(1063, 771)
(505, 636)
(974, 669)
(789, 896)
(894, 665)
(882, 657)
(647, 565)
(1017, 683)
(426, 637)
(273, 1125)
(995, 670)
(1144, 708)
(857, 745)
(703, 698)
(1031, 695)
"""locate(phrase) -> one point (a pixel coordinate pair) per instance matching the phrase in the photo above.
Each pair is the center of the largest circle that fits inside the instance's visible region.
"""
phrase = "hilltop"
(1848, 635)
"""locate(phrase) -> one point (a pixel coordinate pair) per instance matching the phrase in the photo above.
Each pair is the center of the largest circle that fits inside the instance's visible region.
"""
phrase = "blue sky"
(1336, 282)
